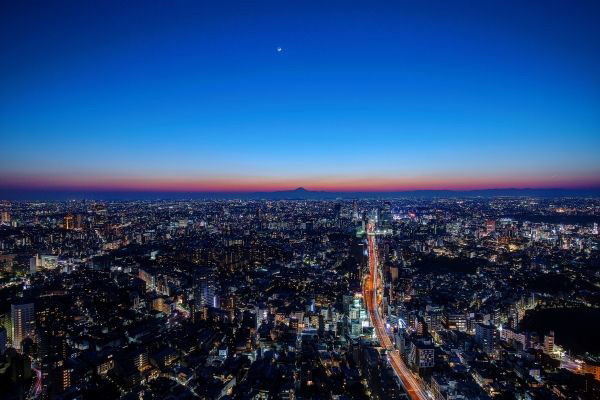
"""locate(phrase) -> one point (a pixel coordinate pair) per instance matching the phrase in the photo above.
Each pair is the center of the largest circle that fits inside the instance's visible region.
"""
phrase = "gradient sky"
(363, 96)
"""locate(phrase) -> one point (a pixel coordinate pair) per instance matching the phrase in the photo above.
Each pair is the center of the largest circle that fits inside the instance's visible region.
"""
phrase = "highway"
(412, 387)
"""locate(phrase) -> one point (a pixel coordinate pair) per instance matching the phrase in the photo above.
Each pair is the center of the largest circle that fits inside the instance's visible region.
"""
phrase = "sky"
(271, 95)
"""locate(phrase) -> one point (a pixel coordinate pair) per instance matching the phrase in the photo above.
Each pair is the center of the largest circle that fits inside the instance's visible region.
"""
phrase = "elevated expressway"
(371, 287)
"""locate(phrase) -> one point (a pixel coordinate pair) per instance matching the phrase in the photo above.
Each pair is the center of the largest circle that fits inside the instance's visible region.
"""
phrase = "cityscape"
(423, 299)
(263, 200)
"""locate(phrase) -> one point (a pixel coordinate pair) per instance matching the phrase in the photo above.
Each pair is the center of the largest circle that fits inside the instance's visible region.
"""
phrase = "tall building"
(62, 379)
(148, 277)
(386, 214)
(33, 262)
(51, 340)
(6, 323)
(140, 360)
(23, 322)
(262, 314)
(421, 354)
(486, 336)
(549, 343)
(78, 221)
(205, 289)
(69, 222)
(354, 210)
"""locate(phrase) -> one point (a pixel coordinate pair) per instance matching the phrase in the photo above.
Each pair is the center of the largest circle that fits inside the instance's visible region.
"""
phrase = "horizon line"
(50, 189)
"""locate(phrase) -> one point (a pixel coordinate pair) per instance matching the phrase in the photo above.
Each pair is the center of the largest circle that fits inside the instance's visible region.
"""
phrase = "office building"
(23, 323)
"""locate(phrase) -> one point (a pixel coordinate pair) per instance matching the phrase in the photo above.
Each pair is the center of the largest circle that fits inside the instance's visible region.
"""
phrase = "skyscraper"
(386, 214)
(205, 289)
(69, 221)
(486, 336)
(23, 322)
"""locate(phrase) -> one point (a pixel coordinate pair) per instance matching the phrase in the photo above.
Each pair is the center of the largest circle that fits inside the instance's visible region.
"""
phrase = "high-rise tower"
(23, 322)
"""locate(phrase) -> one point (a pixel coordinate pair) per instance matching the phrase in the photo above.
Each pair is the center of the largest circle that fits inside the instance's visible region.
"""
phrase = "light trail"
(410, 384)
(36, 388)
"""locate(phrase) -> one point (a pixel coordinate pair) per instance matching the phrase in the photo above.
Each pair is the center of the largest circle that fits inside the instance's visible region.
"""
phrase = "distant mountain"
(304, 194)
(296, 194)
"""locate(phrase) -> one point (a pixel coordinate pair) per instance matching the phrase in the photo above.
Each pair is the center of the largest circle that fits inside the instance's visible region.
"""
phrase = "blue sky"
(403, 94)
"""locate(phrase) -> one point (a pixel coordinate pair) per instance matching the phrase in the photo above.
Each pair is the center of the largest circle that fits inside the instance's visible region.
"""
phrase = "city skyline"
(256, 200)
(245, 97)
(479, 297)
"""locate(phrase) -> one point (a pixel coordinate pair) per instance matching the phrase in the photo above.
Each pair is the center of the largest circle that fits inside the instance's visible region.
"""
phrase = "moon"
(279, 49)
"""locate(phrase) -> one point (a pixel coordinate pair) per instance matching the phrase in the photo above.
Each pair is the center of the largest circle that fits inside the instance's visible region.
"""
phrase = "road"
(36, 388)
(412, 387)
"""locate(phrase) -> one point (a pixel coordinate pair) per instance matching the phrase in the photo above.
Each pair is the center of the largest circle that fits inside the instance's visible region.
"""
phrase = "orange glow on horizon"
(262, 184)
